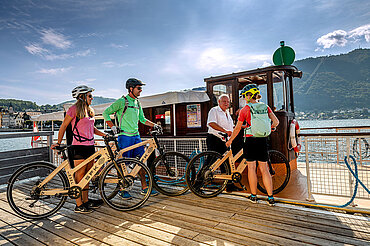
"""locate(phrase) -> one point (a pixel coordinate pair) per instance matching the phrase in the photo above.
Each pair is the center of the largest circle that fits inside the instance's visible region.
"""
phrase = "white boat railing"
(322, 157)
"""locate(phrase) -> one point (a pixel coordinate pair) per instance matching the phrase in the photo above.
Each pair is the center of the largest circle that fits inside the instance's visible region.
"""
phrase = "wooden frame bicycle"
(168, 169)
(208, 172)
(39, 189)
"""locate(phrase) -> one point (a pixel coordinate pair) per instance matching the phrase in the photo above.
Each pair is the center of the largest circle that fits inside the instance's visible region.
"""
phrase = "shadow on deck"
(187, 220)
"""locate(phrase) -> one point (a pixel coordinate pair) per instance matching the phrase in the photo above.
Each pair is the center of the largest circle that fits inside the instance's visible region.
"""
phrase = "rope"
(355, 175)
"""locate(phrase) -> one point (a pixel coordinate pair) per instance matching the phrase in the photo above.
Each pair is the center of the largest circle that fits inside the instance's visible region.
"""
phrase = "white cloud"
(84, 53)
(83, 82)
(219, 58)
(119, 46)
(361, 32)
(111, 64)
(55, 39)
(329, 40)
(54, 71)
(36, 49)
(342, 38)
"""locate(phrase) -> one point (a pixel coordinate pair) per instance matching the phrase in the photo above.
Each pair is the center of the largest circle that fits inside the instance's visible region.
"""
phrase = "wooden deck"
(187, 220)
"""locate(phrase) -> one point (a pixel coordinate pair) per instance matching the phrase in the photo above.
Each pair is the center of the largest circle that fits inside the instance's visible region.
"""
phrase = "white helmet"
(81, 89)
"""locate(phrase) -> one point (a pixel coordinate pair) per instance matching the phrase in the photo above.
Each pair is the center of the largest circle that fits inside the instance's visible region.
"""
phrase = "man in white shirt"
(219, 120)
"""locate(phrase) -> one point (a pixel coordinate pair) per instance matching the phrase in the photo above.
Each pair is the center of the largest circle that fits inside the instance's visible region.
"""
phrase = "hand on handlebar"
(228, 143)
(54, 145)
(114, 130)
(157, 128)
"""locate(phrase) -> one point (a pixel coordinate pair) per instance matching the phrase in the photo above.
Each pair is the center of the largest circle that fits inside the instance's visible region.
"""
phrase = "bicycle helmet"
(252, 88)
(132, 82)
(81, 89)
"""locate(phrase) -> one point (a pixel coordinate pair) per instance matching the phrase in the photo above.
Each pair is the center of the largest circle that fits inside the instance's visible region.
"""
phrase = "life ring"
(295, 139)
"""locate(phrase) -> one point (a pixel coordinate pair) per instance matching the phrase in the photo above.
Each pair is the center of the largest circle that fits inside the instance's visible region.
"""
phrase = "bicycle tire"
(165, 182)
(280, 179)
(33, 206)
(200, 181)
(94, 183)
(129, 184)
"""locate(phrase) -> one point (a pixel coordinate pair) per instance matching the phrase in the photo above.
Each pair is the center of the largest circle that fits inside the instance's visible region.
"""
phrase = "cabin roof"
(257, 76)
(167, 98)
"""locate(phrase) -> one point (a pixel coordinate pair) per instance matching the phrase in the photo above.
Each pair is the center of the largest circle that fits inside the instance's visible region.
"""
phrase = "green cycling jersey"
(134, 113)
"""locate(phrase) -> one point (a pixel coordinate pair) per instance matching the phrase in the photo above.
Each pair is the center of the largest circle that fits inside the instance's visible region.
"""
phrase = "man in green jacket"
(129, 112)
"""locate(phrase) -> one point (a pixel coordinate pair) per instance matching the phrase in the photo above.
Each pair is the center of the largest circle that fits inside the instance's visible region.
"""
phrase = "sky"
(49, 47)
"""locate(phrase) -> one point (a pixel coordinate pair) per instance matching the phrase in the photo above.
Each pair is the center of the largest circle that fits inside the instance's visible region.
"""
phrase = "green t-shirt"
(130, 119)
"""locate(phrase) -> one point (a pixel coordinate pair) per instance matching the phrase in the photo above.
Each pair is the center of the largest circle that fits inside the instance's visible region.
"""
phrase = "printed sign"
(193, 116)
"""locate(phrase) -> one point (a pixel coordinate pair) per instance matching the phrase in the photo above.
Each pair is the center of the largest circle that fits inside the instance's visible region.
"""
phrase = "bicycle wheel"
(169, 173)
(130, 194)
(94, 184)
(25, 199)
(200, 179)
(279, 170)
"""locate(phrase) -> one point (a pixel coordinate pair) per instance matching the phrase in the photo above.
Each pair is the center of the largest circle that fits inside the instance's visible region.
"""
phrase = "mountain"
(333, 82)
(21, 106)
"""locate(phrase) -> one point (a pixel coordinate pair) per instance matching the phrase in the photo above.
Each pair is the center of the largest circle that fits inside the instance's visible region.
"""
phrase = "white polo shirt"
(221, 118)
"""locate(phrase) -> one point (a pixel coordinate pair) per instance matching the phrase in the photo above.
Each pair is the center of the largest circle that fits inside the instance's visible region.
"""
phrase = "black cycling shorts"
(81, 152)
(255, 149)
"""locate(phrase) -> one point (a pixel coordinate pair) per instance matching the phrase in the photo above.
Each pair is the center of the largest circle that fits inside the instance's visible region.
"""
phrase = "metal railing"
(322, 156)
(321, 159)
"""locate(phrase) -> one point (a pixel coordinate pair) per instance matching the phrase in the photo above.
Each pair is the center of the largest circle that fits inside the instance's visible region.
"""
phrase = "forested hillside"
(21, 106)
(334, 82)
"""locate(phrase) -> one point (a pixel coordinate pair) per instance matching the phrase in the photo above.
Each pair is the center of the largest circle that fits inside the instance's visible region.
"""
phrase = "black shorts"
(255, 149)
(81, 152)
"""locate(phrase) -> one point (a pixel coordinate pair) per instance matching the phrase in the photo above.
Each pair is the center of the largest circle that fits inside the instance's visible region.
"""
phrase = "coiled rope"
(358, 181)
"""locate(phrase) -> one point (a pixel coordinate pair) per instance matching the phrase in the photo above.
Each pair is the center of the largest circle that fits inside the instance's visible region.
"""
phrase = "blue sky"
(49, 47)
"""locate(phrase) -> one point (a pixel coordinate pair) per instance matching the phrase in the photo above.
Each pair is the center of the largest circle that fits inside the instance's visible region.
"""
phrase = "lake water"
(24, 143)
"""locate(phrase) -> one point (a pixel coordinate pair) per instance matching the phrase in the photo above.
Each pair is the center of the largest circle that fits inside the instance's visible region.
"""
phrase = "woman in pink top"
(81, 117)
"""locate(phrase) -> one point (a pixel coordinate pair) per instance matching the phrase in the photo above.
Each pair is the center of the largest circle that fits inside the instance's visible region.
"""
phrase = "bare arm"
(215, 126)
(109, 123)
(99, 133)
(67, 120)
(235, 133)
(149, 123)
(274, 119)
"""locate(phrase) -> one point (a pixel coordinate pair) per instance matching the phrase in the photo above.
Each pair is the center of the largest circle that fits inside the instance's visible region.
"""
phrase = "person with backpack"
(129, 112)
(258, 117)
(80, 117)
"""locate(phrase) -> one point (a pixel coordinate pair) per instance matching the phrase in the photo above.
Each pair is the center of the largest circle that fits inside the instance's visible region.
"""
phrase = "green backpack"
(260, 121)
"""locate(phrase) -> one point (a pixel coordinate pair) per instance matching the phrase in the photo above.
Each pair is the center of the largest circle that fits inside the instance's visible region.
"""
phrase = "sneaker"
(91, 203)
(253, 198)
(124, 195)
(271, 201)
(83, 209)
(153, 193)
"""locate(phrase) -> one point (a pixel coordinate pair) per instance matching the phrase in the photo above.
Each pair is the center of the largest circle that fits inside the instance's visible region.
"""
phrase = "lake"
(24, 143)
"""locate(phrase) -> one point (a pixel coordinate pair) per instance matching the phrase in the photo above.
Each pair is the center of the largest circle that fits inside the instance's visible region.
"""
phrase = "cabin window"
(280, 92)
(220, 89)
(162, 116)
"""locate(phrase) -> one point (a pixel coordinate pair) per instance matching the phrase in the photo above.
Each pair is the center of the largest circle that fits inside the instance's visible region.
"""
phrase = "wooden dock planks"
(187, 220)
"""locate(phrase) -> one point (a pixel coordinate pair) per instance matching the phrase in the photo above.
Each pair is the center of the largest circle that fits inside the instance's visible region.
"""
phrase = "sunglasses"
(90, 96)
(139, 88)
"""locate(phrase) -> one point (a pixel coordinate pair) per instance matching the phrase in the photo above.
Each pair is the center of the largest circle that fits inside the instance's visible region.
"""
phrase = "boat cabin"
(276, 87)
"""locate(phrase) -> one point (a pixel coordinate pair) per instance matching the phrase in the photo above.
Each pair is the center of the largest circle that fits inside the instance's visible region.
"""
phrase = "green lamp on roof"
(283, 55)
